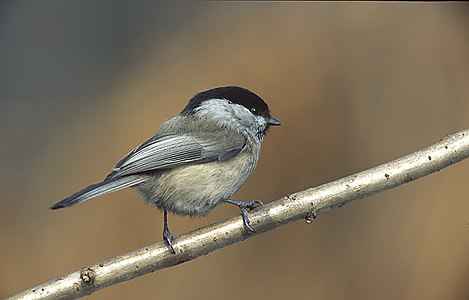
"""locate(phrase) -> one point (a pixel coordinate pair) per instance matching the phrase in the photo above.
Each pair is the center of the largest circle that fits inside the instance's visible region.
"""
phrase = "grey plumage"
(143, 169)
(99, 189)
(197, 159)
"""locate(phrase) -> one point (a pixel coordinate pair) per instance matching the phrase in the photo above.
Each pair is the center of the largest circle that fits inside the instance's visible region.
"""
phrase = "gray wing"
(174, 150)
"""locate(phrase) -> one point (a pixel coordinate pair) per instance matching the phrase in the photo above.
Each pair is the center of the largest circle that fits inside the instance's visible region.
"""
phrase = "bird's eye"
(253, 110)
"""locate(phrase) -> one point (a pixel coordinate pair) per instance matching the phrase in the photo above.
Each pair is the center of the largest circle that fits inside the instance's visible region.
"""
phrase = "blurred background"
(354, 84)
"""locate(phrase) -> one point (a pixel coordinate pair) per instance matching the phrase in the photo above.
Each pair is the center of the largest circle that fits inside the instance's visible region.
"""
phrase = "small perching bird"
(197, 160)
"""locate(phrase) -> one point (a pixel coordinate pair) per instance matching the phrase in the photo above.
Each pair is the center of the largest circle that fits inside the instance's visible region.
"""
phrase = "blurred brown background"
(355, 85)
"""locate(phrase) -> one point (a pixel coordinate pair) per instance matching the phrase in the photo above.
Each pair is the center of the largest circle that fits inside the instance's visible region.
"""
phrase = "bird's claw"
(168, 237)
(243, 206)
(252, 204)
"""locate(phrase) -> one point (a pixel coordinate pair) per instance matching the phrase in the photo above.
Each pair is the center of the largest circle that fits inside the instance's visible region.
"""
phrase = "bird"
(197, 160)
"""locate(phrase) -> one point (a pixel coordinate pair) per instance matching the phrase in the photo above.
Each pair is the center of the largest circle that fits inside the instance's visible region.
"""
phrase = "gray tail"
(98, 189)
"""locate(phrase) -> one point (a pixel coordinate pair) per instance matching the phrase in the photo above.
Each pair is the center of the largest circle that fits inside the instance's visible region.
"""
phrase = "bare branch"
(306, 204)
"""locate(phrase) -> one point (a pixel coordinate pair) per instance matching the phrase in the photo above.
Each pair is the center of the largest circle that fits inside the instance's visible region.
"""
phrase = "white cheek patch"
(232, 115)
(261, 122)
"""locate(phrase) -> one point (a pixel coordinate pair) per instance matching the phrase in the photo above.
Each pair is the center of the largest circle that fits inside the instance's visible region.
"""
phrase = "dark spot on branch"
(88, 276)
(310, 217)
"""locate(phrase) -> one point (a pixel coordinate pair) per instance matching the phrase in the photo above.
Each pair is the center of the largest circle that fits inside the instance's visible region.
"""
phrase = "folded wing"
(170, 151)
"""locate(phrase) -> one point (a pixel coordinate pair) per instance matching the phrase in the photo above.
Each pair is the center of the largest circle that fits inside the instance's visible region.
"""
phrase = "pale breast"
(196, 189)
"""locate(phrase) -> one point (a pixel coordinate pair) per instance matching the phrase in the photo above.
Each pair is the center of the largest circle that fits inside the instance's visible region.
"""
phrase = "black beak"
(274, 122)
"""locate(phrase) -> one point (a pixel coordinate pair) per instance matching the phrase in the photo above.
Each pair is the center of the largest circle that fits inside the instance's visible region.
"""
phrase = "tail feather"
(98, 189)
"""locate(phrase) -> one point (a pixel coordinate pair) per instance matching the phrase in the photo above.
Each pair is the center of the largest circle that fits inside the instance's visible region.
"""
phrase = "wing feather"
(174, 150)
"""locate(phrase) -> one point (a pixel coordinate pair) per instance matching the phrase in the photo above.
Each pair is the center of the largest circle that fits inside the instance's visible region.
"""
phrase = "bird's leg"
(167, 236)
(242, 206)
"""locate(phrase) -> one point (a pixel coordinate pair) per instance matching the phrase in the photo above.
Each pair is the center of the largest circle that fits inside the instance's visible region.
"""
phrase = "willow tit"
(197, 160)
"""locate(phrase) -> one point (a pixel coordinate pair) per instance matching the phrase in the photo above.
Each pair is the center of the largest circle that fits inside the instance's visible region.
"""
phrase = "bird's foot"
(167, 236)
(243, 206)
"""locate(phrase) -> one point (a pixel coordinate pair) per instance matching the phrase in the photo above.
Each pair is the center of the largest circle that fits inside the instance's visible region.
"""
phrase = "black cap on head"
(234, 94)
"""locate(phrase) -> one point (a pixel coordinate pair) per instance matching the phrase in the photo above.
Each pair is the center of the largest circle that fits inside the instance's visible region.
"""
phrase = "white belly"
(196, 189)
